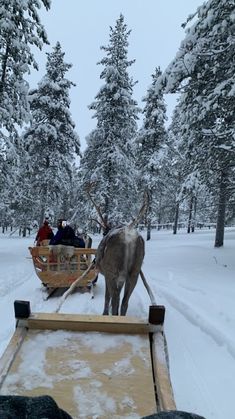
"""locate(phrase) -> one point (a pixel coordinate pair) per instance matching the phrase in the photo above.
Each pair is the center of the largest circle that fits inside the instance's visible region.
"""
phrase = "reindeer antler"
(142, 210)
(96, 221)
(103, 222)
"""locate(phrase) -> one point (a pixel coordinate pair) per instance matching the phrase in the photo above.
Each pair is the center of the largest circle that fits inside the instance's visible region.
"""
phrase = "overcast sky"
(83, 26)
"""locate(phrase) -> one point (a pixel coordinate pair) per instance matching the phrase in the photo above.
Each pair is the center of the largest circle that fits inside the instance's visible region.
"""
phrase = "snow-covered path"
(192, 279)
(196, 284)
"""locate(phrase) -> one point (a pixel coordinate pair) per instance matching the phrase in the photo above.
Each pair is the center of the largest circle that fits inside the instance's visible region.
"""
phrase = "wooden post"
(156, 314)
(22, 309)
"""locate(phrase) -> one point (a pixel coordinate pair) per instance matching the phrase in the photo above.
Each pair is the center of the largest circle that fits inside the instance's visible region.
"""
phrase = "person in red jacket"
(44, 233)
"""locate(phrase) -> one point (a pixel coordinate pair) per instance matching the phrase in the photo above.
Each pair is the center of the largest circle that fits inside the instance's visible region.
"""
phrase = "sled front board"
(95, 373)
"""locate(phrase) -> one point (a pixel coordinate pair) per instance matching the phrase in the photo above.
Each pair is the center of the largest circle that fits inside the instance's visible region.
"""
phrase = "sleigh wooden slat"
(59, 266)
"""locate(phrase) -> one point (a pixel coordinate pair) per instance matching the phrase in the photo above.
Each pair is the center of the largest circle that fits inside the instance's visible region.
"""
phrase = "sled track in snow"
(7, 288)
(196, 319)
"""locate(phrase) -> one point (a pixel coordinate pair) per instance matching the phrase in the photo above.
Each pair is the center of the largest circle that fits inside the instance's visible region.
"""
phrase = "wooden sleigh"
(107, 366)
(59, 266)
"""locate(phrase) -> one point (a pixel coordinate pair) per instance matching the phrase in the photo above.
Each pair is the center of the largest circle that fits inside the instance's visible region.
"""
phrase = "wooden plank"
(88, 375)
(164, 391)
(46, 250)
(65, 279)
(10, 352)
(82, 322)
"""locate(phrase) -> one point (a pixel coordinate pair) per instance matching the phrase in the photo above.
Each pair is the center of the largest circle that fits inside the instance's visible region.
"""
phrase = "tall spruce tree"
(51, 142)
(20, 28)
(204, 68)
(152, 139)
(109, 159)
(185, 176)
(192, 199)
(176, 161)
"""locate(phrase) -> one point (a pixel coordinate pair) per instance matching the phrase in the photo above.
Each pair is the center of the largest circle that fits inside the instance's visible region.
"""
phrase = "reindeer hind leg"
(106, 300)
(129, 287)
(115, 302)
(134, 269)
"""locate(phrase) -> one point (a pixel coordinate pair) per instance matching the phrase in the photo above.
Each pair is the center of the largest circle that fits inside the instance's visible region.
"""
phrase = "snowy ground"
(195, 282)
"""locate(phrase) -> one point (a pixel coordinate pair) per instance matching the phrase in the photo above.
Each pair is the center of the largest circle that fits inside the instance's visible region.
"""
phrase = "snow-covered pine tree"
(7, 178)
(151, 151)
(51, 142)
(108, 159)
(204, 68)
(176, 166)
(192, 199)
(90, 172)
(20, 28)
(10, 204)
(185, 177)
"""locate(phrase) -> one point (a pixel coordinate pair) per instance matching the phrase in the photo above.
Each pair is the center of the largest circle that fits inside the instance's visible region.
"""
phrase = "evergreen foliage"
(51, 142)
(188, 171)
(204, 71)
(109, 158)
(151, 151)
(20, 29)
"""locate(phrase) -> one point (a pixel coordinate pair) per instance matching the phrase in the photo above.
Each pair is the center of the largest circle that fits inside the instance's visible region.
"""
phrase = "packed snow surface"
(195, 282)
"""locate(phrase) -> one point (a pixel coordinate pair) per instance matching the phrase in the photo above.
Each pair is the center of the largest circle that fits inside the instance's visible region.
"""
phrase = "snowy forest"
(186, 168)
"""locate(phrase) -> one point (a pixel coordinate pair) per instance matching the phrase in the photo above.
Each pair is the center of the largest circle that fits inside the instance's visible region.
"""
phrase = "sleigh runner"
(110, 366)
(59, 266)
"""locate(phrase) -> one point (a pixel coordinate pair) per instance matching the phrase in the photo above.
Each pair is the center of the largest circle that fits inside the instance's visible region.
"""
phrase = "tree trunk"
(149, 214)
(159, 219)
(4, 68)
(148, 229)
(42, 212)
(190, 214)
(44, 204)
(219, 235)
(194, 214)
(176, 217)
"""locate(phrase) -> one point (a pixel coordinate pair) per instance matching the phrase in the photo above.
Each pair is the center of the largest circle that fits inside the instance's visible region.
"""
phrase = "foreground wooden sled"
(107, 366)
(59, 266)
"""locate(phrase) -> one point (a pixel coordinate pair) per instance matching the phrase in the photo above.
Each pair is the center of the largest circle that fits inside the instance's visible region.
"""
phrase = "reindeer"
(119, 258)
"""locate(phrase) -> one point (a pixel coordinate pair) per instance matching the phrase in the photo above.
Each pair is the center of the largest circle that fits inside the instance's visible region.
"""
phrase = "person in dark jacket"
(60, 232)
(79, 241)
(23, 407)
(44, 233)
(66, 235)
